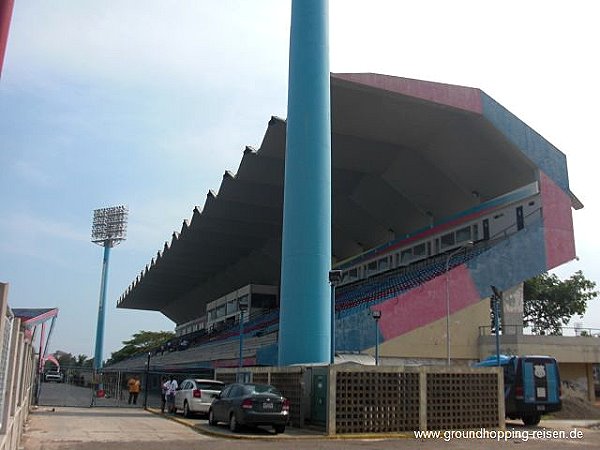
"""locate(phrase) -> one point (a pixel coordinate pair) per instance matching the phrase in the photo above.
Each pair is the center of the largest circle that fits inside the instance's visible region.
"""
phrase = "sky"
(148, 102)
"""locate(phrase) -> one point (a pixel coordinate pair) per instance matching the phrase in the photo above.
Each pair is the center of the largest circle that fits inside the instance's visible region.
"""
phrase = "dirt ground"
(575, 405)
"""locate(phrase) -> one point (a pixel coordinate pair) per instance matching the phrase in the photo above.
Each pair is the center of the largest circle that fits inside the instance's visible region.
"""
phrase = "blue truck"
(531, 386)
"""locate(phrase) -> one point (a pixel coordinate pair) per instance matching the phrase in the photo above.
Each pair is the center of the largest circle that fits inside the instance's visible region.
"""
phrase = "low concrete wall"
(367, 399)
(384, 399)
(566, 349)
(579, 376)
(576, 355)
(289, 380)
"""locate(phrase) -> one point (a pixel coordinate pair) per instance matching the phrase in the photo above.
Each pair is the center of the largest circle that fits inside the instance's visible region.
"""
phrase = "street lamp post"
(376, 315)
(448, 258)
(497, 295)
(147, 381)
(242, 306)
(335, 277)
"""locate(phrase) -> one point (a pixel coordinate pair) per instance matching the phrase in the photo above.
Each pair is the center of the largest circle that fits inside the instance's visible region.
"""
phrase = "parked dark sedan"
(250, 404)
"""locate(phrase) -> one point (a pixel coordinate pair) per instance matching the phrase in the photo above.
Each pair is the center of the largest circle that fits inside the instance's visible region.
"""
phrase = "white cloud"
(39, 227)
(41, 238)
(31, 174)
(154, 42)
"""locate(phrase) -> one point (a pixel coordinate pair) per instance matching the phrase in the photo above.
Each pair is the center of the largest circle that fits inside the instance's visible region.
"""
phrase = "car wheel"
(279, 428)
(211, 418)
(532, 420)
(233, 423)
(186, 409)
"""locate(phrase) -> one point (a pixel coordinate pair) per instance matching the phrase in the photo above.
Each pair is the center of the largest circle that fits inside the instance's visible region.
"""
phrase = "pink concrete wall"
(427, 303)
(558, 223)
(445, 94)
(227, 363)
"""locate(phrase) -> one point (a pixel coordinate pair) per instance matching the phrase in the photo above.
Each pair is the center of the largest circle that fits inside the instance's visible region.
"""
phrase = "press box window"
(372, 267)
(264, 301)
(383, 264)
(231, 306)
(447, 240)
(420, 250)
(406, 256)
(463, 235)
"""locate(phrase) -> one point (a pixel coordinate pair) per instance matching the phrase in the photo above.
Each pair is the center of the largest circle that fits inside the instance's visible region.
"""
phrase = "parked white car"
(54, 375)
(196, 395)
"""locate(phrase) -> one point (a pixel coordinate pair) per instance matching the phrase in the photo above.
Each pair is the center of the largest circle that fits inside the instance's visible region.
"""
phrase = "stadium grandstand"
(439, 192)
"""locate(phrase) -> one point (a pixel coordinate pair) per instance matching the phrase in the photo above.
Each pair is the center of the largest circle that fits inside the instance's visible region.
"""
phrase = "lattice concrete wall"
(384, 399)
(262, 378)
(367, 399)
(290, 384)
(225, 377)
(376, 402)
(459, 400)
(289, 380)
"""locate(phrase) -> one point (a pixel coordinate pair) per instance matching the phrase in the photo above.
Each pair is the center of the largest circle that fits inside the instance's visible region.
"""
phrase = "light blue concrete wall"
(541, 152)
(510, 262)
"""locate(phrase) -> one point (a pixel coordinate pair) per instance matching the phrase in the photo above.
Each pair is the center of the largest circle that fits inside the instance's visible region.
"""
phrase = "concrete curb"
(278, 437)
(215, 433)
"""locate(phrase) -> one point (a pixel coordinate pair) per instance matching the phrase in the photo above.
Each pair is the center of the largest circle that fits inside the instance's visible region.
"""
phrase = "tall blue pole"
(376, 342)
(101, 309)
(304, 327)
(332, 351)
(497, 296)
(497, 327)
(241, 362)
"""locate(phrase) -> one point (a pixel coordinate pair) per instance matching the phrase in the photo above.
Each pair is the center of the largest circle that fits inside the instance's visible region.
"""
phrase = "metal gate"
(83, 388)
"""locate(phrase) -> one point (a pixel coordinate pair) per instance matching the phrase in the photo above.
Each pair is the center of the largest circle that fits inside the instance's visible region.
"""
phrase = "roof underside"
(400, 162)
(34, 316)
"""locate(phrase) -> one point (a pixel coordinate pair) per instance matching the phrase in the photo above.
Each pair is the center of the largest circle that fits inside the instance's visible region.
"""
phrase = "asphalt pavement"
(102, 428)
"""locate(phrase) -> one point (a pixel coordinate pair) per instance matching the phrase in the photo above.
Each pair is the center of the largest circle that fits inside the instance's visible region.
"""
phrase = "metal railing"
(17, 367)
(488, 330)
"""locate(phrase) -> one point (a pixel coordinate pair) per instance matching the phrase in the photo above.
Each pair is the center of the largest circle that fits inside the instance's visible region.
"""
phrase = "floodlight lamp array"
(109, 226)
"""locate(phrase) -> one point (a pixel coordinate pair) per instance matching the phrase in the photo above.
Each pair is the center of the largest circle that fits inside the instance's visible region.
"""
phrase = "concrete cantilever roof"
(406, 153)
(34, 316)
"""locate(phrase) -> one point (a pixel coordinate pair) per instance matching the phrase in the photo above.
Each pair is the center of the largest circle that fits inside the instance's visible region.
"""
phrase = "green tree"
(141, 342)
(549, 303)
(83, 361)
(69, 364)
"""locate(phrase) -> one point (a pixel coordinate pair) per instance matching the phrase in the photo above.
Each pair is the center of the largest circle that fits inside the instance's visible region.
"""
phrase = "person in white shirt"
(171, 387)
(163, 393)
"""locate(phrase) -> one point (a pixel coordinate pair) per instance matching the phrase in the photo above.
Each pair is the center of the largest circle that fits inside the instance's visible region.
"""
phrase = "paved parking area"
(73, 428)
(200, 424)
(97, 428)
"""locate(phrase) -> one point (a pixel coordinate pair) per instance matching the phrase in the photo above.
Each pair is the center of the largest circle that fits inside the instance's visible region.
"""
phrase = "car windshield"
(261, 389)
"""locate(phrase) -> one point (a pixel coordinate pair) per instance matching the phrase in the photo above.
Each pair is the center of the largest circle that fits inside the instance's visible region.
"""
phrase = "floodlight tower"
(109, 228)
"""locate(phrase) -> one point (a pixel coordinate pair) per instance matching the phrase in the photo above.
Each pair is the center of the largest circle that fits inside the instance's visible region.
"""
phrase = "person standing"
(171, 388)
(134, 389)
(164, 388)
